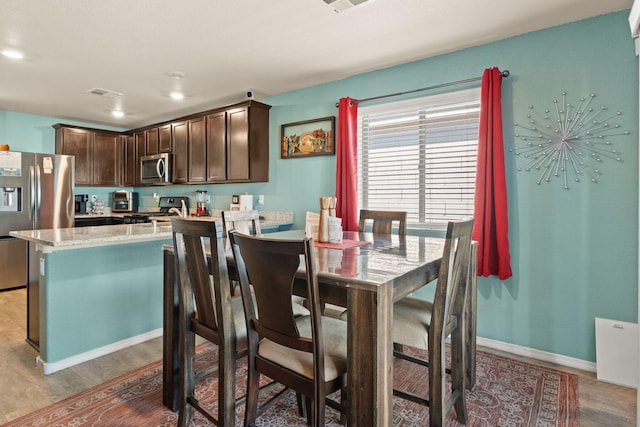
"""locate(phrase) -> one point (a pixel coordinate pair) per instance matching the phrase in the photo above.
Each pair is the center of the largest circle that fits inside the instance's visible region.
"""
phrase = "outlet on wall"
(261, 199)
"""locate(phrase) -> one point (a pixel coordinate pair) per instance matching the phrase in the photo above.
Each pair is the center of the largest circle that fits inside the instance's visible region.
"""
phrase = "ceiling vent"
(105, 92)
(342, 5)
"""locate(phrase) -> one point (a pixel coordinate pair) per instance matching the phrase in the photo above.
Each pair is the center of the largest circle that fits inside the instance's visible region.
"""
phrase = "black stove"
(136, 219)
(165, 204)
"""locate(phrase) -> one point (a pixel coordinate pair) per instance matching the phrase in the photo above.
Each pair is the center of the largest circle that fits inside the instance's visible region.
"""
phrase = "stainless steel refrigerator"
(36, 192)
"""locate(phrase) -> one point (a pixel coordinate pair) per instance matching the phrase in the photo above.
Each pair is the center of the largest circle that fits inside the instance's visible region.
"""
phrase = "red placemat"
(346, 244)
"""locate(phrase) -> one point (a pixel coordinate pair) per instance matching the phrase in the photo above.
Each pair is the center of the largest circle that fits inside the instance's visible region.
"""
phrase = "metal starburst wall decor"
(569, 142)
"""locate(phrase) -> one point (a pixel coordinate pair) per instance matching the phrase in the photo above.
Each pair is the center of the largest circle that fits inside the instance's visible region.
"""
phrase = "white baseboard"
(49, 368)
(559, 359)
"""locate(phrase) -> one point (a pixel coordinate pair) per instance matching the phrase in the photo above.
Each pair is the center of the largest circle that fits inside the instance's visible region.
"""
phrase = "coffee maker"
(81, 203)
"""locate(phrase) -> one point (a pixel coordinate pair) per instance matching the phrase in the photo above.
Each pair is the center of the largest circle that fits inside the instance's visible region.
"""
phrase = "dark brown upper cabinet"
(97, 154)
(216, 143)
(197, 164)
(153, 141)
(180, 152)
(140, 138)
(164, 138)
(248, 143)
(106, 158)
(223, 145)
(130, 160)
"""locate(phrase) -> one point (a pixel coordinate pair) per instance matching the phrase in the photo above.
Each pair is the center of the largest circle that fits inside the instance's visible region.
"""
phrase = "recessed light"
(177, 74)
(178, 96)
(13, 54)
(117, 113)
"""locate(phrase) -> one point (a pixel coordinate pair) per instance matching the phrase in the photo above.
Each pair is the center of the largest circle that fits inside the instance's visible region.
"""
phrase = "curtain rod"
(504, 73)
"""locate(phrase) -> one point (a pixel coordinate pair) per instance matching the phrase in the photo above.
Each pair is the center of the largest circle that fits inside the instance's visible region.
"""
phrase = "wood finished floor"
(25, 389)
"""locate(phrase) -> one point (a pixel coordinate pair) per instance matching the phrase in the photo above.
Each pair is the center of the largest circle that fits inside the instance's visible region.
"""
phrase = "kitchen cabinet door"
(79, 143)
(140, 138)
(153, 141)
(106, 161)
(197, 150)
(238, 165)
(129, 160)
(180, 152)
(164, 139)
(217, 147)
(248, 143)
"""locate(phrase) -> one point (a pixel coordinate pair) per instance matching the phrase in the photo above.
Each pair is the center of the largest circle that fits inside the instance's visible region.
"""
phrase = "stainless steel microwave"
(156, 169)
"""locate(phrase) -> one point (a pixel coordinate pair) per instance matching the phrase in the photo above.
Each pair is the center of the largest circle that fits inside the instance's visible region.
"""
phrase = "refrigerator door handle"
(38, 201)
(32, 192)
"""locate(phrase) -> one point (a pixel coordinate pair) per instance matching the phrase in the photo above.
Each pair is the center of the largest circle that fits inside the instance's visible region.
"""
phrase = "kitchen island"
(100, 289)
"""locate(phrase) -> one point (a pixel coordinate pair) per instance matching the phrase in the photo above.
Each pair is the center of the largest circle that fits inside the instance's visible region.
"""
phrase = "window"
(419, 156)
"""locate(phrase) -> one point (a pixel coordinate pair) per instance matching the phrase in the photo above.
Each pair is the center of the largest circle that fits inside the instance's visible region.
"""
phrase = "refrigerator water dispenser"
(10, 199)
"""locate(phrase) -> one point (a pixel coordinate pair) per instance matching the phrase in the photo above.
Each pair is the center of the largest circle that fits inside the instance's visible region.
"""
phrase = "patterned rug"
(507, 393)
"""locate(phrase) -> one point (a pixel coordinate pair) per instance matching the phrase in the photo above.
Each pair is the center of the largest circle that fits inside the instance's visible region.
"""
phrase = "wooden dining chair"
(426, 325)
(379, 222)
(246, 222)
(383, 221)
(207, 309)
(307, 354)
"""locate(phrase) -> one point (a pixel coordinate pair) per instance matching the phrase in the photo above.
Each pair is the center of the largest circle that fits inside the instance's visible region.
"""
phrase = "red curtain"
(491, 228)
(347, 164)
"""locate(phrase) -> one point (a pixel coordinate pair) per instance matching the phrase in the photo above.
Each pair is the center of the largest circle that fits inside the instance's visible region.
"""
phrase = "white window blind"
(419, 156)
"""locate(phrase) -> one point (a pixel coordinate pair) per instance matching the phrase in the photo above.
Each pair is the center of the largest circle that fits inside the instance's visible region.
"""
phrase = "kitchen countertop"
(82, 237)
(104, 235)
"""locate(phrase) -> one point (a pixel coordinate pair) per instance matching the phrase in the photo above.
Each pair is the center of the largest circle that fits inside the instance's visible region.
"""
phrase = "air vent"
(341, 5)
(105, 92)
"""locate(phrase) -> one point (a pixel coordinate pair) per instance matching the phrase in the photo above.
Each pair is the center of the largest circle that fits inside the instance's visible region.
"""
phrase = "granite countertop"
(103, 235)
(71, 238)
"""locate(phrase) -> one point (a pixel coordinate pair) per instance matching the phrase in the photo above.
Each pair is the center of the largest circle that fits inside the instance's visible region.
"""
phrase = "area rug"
(507, 393)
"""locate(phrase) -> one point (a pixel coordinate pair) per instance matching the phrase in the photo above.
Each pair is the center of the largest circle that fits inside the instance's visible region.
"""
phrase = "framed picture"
(308, 138)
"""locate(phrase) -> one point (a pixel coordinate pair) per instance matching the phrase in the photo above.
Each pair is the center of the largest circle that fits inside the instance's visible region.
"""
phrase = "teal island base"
(96, 300)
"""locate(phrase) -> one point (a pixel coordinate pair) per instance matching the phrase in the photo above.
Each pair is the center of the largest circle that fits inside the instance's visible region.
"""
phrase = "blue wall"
(574, 253)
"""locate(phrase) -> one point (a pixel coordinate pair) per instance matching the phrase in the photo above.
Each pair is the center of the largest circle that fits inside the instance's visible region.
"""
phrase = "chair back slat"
(383, 221)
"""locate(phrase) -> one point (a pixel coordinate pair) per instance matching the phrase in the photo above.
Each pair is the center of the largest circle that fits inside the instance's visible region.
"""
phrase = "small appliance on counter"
(124, 201)
(81, 203)
(241, 202)
(201, 200)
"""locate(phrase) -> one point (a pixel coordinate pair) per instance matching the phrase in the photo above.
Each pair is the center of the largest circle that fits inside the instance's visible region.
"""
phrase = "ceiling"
(217, 50)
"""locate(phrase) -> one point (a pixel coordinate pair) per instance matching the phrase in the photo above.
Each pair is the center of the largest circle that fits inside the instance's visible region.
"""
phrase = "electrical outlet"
(261, 199)
(208, 199)
(94, 198)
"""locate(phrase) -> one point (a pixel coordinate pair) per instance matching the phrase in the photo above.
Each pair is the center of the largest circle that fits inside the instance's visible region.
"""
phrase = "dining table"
(366, 273)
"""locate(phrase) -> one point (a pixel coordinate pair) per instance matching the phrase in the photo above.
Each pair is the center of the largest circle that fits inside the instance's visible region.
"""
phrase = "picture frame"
(307, 138)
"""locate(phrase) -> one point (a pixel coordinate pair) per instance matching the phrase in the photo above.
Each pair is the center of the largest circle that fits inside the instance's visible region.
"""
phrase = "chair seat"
(335, 340)
(411, 320)
(299, 309)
